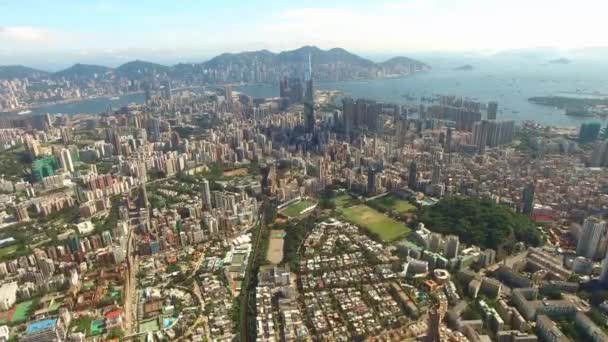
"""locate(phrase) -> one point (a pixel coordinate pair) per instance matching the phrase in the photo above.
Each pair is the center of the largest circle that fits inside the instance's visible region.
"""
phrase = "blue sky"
(60, 32)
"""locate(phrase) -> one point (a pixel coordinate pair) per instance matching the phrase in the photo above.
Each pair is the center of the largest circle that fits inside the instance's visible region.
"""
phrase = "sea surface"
(509, 83)
(511, 86)
(89, 106)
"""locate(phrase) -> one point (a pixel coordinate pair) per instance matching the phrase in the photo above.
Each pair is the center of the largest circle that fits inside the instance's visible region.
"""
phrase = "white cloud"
(27, 34)
(445, 25)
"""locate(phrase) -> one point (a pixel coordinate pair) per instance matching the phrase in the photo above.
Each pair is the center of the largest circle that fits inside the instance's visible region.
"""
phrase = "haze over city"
(60, 33)
(282, 171)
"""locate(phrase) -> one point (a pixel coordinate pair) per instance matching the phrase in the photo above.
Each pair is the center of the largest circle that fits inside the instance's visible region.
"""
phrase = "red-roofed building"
(114, 319)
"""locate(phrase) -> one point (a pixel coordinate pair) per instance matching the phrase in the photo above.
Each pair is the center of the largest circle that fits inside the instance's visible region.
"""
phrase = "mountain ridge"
(249, 66)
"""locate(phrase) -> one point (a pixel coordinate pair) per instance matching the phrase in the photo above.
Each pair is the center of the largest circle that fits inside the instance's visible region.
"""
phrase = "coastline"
(38, 105)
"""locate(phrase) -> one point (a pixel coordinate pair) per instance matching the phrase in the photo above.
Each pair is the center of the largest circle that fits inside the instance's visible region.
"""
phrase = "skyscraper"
(113, 138)
(436, 176)
(309, 101)
(167, 90)
(412, 176)
(448, 140)
(528, 199)
(228, 93)
(371, 180)
(143, 196)
(589, 240)
(451, 246)
(604, 272)
(599, 156)
(66, 160)
(480, 135)
(492, 110)
(348, 115)
(147, 92)
(206, 194)
(492, 133)
(589, 132)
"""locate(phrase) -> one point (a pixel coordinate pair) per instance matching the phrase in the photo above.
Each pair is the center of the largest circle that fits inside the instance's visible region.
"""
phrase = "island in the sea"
(575, 106)
(466, 67)
(560, 61)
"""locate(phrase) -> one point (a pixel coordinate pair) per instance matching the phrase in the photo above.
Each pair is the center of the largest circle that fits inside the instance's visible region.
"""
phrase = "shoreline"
(65, 101)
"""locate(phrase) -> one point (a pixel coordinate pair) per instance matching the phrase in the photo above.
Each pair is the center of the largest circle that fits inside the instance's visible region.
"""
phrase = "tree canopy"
(480, 222)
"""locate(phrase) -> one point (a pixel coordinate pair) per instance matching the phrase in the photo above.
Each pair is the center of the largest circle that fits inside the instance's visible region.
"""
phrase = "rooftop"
(42, 325)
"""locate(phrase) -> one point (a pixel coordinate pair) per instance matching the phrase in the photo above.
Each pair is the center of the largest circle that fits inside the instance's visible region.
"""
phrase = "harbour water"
(89, 106)
(511, 84)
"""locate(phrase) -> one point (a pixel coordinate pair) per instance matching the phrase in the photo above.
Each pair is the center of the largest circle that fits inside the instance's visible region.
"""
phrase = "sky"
(61, 32)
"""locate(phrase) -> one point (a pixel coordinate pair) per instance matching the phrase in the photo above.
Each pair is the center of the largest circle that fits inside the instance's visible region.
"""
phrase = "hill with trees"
(480, 222)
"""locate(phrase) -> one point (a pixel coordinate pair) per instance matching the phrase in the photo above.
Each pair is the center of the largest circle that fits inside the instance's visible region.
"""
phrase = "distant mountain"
(261, 66)
(83, 72)
(328, 65)
(20, 71)
(141, 69)
(466, 67)
(560, 61)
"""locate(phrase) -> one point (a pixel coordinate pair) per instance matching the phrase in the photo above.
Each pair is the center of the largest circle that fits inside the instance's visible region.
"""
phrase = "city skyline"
(65, 33)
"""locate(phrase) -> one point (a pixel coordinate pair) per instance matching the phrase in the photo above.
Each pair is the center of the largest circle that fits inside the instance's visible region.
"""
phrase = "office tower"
(433, 333)
(371, 180)
(291, 89)
(492, 110)
(66, 135)
(166, 90)
(480, 135)
(309, 101)
(422, 113)
(155, 129)
(228, 93)
(106, 237)
(143, 196)
(66, 160)
(500, 132)
(528, 199)
(401, 126)
(436, 176)
(589, 240)
(22, 214)
(206, 194)
(599, 156)
(604, 272)
(113, 138)
(47, 267)
(48, 120)
(589, 132)
(448, 140)
(451, 246)
(147, 91)
(435, 242)
(348, 115)
(492, 133)
(412, 176)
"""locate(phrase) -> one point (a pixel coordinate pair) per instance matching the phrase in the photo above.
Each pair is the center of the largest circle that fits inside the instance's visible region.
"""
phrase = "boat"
(115, 98)
(24, 112)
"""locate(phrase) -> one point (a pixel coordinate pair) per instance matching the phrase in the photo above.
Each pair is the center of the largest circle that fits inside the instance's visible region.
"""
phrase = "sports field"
(375, 221)
(98, 326)
(295, 209)
(22, 312)
(392, 202)
(150, 325)
(275, 247)
(345, 200)
(7, 251)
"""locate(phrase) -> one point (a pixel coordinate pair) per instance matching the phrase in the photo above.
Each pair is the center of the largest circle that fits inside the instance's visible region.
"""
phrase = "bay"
(509, 84)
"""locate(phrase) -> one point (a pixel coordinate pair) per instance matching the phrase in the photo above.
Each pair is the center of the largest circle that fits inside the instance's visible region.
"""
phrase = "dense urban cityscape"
(207, 215)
